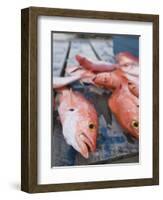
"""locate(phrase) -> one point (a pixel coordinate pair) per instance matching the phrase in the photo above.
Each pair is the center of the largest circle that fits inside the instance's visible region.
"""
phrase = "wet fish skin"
(125, 61)
(123, 103)
(95, 66)
(79, 121)
(124, 100)
(125, 107)
(113, 80)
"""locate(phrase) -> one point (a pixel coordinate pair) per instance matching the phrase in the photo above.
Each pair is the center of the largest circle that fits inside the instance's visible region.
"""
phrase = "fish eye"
(91, 126)
(135, 124)
(71, 109)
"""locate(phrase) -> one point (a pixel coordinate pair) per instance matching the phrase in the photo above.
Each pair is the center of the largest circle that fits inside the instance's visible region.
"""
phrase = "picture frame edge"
(24, 99)
(156, 99)
(28, 101)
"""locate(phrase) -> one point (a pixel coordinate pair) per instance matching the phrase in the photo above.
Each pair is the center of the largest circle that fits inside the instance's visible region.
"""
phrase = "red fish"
(113, 80)
(125, 61)
(87, 76)
(79, 121)
(125, 107)
(123, 103)
(95, 66)
(123, 81)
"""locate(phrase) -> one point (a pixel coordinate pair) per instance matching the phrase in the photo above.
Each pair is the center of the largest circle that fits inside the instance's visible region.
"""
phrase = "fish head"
(131, 121)
(135, 128)
(80, 133)
(131, 114)
(86, 136)
(125, 106)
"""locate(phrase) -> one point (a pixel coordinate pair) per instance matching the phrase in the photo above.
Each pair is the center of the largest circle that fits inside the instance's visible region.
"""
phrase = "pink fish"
(125, 107)
(114, 79)
(123, 102)
(128, 63)
(123, 59)
(124, 99)
(123, 80)
(79, 121)
(95, 66)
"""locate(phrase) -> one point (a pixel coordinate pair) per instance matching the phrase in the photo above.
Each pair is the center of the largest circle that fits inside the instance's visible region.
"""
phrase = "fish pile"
(78, 116)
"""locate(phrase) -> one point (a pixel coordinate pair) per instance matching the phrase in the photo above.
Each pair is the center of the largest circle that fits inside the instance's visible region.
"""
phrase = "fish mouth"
(85, 145)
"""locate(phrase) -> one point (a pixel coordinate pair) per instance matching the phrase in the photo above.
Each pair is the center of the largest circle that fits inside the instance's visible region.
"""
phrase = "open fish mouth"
(85, 144)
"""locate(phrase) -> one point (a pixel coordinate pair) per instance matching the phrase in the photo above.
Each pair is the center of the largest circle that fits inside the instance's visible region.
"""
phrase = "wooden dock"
(113, 145)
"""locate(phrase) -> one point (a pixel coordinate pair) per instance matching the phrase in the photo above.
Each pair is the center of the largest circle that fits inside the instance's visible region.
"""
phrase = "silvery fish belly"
(79, 121)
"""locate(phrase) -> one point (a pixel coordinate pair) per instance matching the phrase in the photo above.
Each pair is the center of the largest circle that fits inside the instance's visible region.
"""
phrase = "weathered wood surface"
(103, 50)
(59, 53)
(113, 145)
(79, 46)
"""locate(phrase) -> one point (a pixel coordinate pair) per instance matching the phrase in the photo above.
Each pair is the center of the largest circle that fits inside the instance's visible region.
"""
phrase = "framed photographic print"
(90, 99)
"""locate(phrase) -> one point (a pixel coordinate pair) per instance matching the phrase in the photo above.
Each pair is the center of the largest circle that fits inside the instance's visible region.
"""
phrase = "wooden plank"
(62, 153)
(59, 54)
(110, 42)
(79, 46)
(103, 49)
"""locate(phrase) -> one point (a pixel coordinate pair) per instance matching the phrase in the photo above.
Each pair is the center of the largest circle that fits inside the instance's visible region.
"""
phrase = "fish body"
(123, 103)
(95, 65)
(114, 79)
(125, 107)
(79, 121)
(125, 61)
